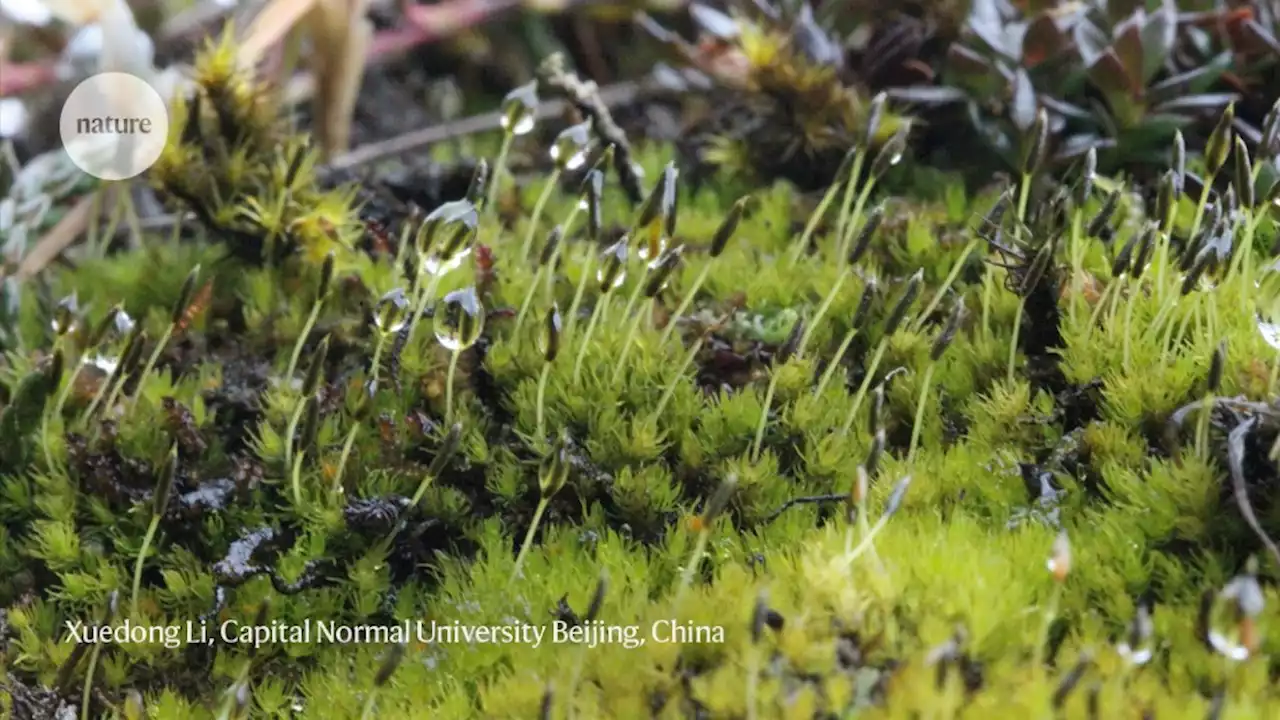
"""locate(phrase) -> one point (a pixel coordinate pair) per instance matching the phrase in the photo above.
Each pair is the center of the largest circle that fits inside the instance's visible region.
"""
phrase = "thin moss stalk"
(322, 292)
(592, 614)
(159, 501)
(538, 207)
(86, 695)
(716, 505)
(787, 351)
(176, 318)
(896, 318)
(388, 668)
(850, 167)
(891, 507)
(1059, 566)
(860, 316)
(553, 475)
(670, 390)
(1214, 381)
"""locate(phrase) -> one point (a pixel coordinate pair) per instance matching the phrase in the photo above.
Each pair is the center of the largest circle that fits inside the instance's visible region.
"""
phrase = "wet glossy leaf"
(927, 95)
(1067, 109)
(1190, 82)
(1077, 145)
(1158, 36)
(985, 23)
(1023, 108)
(1197, 103)
(1090, 42)
(713, 22)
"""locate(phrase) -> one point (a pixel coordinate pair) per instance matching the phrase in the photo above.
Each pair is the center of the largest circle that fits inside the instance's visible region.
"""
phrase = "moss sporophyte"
(886, 440)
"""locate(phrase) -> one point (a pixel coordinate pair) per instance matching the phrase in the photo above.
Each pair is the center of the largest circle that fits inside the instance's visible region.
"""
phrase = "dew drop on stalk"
(569, 150)
(392, 312)
(613, 265)
(455, 224)
(1232, 618)
(519, 109)
(459, 318)
(1136, 647)
(102, 363)
(64, 315)
(1270, 332)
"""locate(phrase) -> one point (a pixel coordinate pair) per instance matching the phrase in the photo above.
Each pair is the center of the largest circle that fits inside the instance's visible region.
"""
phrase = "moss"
(293, 491)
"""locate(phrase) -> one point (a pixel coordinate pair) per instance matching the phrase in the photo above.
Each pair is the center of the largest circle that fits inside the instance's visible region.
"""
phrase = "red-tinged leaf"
(1108, 75)
(1022, 108)
(1259, 40)
(1128, 47)
(1041, 41)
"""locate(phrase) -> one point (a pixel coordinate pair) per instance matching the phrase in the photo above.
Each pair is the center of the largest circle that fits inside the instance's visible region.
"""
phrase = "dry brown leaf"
(270, 26)
(71, 227)
(338, 70)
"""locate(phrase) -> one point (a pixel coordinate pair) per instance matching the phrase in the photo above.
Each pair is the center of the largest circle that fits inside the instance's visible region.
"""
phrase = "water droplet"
(553, 473)
(1232, 623)
(569, 151)
(613, 265)
(64, 315)
(459, 318)
(455, 224)
(392, 312)
(1270, 332)
(519, 109)
(104, 363)
(1136, 647)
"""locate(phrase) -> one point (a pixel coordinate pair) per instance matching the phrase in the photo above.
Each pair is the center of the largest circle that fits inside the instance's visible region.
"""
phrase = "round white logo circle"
(114, 126)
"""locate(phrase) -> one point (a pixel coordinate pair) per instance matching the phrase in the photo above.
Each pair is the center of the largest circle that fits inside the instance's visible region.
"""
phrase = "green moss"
(949, 610)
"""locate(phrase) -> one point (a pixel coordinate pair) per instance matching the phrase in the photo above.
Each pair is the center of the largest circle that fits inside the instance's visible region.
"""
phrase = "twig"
(587, 97)
(70, 228)
(619, 94)
(807, 500)
(1235, 460)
